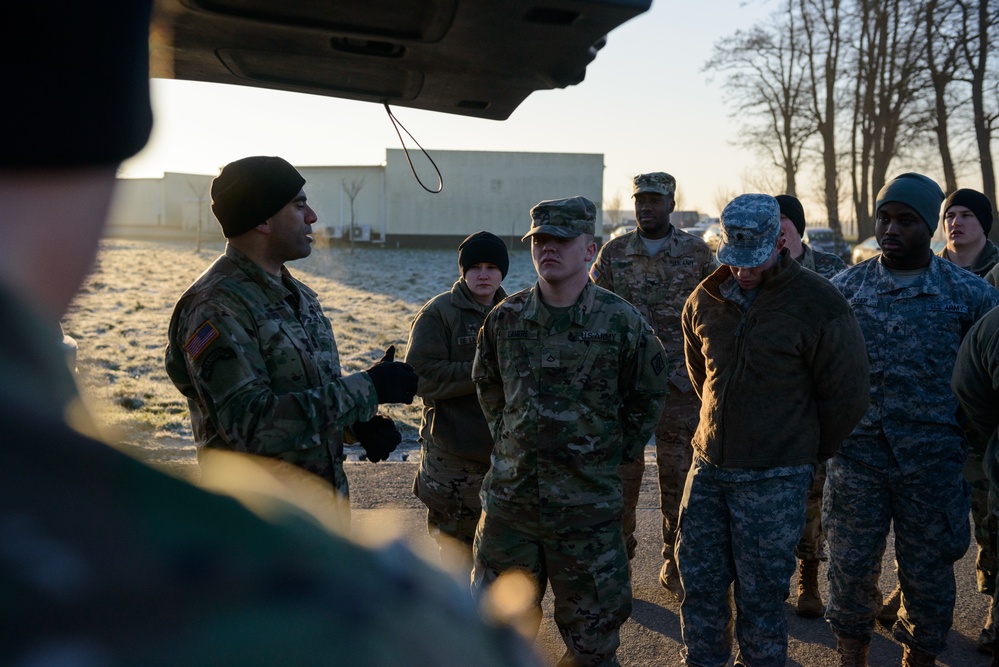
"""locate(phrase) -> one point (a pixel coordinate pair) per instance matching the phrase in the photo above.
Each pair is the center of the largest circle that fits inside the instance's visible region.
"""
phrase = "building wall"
(328, 191)
(168, 208)
(482, 190)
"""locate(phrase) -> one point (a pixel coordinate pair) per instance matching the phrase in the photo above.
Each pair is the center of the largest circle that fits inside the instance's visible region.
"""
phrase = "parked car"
(865, 250)
(824, 239)
(712, 235)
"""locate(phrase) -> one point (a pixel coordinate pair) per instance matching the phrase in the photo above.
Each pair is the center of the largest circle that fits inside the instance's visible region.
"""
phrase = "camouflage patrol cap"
(567, 218)
(750, 227)
(658, 181)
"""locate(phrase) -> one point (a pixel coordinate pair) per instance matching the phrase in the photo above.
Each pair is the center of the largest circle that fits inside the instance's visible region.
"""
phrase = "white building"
(482, 190)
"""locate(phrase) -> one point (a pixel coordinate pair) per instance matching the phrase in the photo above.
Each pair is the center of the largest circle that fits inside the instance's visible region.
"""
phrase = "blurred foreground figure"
(254, 354)
(571, 380)
(455, 438)
(976, 384)
(103, 560)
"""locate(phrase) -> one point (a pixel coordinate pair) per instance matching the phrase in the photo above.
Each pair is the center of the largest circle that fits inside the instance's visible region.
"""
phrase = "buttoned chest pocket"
(942, 326)
(584, 371)
(286, 354)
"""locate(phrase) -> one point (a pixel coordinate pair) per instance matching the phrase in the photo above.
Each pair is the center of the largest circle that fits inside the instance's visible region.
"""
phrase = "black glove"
(395, 382)
(378, 436)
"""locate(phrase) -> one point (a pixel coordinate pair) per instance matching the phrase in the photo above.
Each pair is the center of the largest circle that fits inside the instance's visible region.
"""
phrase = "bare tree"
(767, 78)
(821, 25)
(976, 20)
(940, 30)
(613, 208)
(352, 188)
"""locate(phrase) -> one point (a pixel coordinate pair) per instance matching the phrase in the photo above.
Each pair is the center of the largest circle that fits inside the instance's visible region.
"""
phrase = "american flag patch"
(201, 339)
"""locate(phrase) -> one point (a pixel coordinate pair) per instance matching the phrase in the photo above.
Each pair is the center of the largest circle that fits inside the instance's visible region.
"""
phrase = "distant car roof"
(472, 57)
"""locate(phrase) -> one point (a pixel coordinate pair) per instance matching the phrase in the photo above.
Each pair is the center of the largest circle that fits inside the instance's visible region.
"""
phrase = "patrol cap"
(658, 182)
(750, 227)
(566, 218)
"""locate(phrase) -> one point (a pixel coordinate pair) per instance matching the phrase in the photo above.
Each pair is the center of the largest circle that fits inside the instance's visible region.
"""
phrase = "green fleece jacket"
(781, 382)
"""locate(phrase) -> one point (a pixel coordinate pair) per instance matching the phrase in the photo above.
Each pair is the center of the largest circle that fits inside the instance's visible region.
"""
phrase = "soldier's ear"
(263, 228)
(672, 204)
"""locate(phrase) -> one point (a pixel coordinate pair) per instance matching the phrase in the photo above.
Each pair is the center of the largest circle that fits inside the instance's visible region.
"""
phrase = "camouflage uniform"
(987, 563)
(567, 399)
(455, 439)
(106, 561)
(256, 358)
(755, 448)
(658, 287)
(903, 462)
(812, 545)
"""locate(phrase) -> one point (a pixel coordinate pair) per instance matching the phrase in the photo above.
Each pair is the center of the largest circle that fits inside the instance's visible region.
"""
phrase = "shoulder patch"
(201, 339)
(594, 273)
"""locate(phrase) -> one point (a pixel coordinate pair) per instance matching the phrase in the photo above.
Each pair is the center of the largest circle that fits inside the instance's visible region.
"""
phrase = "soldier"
(455, 439)
(104, 560)
(571, 381)
(976, 384)
(967, 218)
(812, 545)
(775, 355)
(903, 463)
(253, 352)
(655, 268)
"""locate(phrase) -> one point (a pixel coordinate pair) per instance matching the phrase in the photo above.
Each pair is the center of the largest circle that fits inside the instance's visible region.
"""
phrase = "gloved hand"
(395, 382)
(378, 436)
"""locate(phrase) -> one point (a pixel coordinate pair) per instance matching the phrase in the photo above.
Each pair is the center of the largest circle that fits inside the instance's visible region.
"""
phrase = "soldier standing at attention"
(252, 350)
(777, 358)
(455, 438)
(812, 545)
(655, 268)
(903, 463)
(571, 381)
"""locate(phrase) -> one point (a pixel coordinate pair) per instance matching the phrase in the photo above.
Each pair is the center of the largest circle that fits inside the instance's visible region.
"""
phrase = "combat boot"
(669, 577)
(809, 601)
(913, 657)
(852, 650)
(987, 637)
(889, 610)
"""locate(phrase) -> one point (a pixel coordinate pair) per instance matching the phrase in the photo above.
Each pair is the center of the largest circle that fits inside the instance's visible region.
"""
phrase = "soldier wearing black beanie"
(483, 247)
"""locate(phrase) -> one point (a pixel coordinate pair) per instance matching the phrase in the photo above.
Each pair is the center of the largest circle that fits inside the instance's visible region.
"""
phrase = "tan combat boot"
(809, 601)
(852, 650)
(913, 657)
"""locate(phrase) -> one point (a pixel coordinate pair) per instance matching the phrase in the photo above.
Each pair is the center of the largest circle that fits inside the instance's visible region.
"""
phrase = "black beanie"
(791, 207)
(976, 202)
(76, 81)
(249, 191)
(483, 247)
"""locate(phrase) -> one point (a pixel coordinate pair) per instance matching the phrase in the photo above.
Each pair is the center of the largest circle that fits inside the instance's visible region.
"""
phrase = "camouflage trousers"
(673, 454)
(738, 527)
(929, 509)
(585, 563)
(986, 565)
(812, 545)
(449, 486)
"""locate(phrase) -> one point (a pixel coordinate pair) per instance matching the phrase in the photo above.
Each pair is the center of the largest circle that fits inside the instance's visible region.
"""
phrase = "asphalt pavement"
(382, 501)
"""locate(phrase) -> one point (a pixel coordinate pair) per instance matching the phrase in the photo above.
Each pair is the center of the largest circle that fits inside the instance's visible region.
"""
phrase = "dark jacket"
(781, 383)
(441, 349)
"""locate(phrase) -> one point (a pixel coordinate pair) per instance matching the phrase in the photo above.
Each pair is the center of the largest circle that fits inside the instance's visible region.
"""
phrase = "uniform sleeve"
(841, 377)
(692, 353)
(487, 378)
(214, 358)
(643, 392)
(976, 373)
(429, 353)
(600, 272)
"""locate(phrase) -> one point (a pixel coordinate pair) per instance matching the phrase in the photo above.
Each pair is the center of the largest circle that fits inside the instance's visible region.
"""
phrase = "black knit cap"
(791, 207)
(483, 247)
(76, 81)
(249, 191)
(976, 202)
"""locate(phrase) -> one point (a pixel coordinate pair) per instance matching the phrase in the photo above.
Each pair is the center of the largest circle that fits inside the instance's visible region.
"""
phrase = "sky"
(646, 104)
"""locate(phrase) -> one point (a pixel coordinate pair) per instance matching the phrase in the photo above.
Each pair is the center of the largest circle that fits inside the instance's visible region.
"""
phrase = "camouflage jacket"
(441, 349)
(798, 339)
(976, 384)
(825, 264)
(983, 264)
(566, 404)
(657, 286)
(912, 334)
(258, 364)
